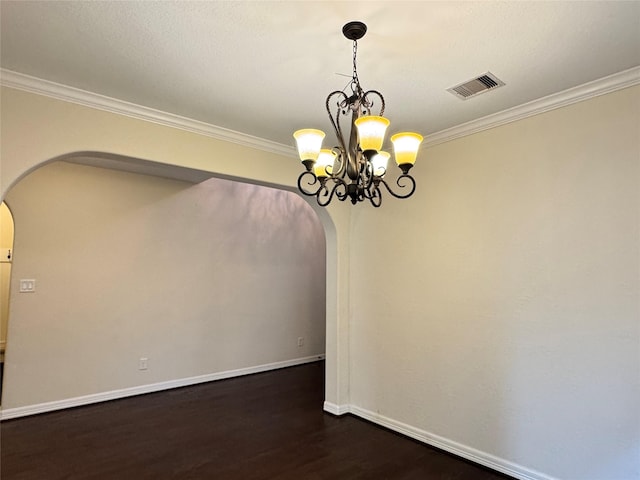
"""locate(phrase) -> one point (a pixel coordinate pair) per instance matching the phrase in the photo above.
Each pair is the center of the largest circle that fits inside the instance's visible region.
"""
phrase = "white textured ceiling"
(264, 68)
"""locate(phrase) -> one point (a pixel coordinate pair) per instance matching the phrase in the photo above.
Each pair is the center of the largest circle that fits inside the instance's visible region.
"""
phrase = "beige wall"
(501, 311)
(6, 242)
(198, 278)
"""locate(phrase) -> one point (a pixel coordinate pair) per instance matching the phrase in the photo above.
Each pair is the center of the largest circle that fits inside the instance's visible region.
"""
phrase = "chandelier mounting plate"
(354, 30)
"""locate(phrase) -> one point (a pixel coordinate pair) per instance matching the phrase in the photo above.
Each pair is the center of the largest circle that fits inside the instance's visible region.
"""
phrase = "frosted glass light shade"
(324, 164)
(379, 163)
(371, 130)
(405, 147)
(309, 142)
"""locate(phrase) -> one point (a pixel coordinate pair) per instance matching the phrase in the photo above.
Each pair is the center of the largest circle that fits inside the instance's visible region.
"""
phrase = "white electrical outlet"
(300, 341)
(143, 363)
(27, 285)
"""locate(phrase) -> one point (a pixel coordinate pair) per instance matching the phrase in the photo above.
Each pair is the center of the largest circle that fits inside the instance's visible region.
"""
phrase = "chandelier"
(355, 169)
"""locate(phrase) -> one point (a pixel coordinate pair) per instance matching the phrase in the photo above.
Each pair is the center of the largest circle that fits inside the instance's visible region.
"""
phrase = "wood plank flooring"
(264, 426)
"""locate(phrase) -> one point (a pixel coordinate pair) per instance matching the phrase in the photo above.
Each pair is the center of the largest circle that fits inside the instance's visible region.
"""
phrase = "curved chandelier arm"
(324, 195)
(411, 185)
(339, 166)
(309, 183)
(369, 103)
(367, 175)
(336, 122)
(374, 195)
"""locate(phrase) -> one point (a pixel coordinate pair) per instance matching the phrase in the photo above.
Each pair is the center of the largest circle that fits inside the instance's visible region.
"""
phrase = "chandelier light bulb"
(371, 131)
(324, 164)
(379, 163)
(309, 143)
(405, 147)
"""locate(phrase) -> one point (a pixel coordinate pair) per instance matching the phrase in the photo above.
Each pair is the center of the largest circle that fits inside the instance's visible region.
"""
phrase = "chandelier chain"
(355, 84)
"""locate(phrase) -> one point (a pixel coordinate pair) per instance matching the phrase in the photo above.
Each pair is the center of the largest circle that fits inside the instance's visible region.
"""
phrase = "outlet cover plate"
(27, 285)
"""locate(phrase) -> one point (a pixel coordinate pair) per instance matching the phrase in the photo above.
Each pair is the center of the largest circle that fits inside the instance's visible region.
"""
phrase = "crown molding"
(611, 83)
(19, 81)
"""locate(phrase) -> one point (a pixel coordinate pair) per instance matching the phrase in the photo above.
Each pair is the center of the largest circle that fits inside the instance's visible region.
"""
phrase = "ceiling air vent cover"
(471, 88)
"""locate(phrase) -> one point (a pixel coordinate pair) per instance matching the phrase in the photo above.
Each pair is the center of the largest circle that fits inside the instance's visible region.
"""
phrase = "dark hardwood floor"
(264, 426)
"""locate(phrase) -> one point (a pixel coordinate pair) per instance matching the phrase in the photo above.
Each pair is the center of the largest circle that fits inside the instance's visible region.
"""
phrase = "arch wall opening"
(195, 280)
(59, 130)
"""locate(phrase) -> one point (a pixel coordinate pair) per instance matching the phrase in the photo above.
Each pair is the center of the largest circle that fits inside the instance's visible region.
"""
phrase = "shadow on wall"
(269, 216)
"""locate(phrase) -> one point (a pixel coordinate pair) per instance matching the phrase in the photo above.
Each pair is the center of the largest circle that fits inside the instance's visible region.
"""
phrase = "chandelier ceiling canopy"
(356, 167)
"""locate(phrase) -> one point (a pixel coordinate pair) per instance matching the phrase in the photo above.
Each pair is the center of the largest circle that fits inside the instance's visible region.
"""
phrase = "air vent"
(471, 88)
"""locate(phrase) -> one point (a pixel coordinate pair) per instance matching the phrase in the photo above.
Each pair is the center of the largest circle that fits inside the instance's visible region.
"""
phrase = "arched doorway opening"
(6, 257)
(93, 254)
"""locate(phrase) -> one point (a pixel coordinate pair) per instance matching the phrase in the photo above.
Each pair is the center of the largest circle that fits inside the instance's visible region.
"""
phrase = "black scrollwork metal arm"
(339, 166)
(327, 188)
(340, 189)
(411, 185)
(374, 195)
(369, 103)
(366, 174)
(325, 195)
(335, 122)
(309, 183)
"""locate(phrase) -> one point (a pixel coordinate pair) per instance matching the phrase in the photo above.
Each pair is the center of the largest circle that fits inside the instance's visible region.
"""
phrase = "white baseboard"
(464, 451)
(17, 412)
(334, 409)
